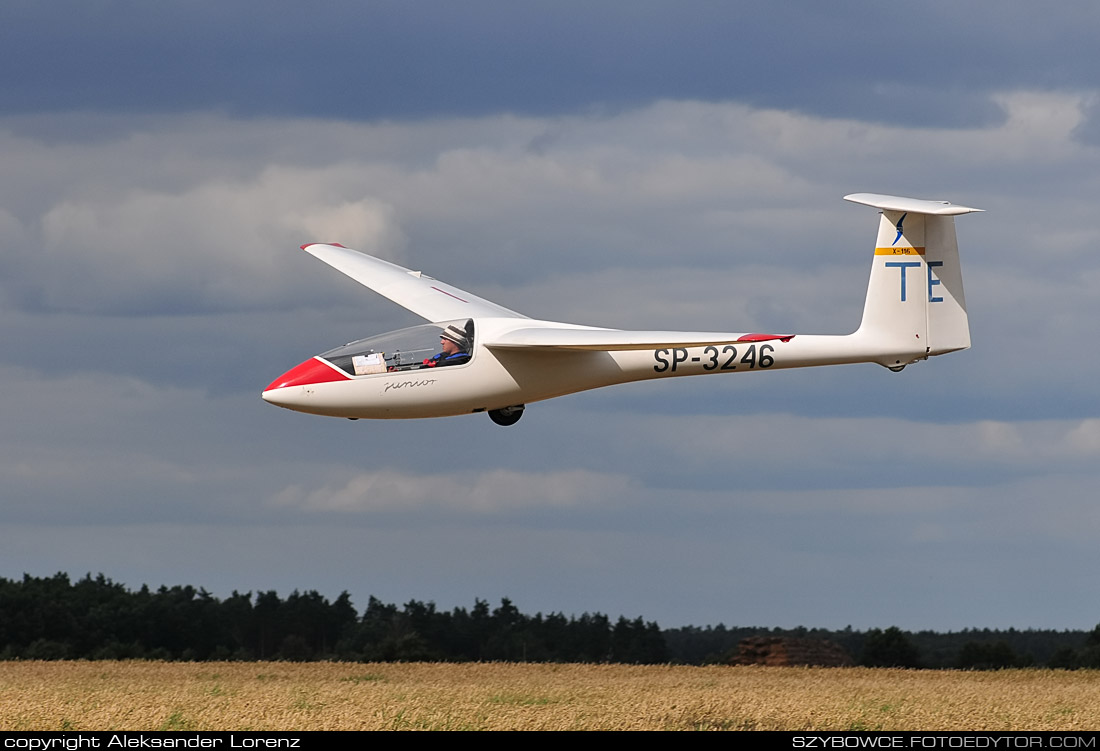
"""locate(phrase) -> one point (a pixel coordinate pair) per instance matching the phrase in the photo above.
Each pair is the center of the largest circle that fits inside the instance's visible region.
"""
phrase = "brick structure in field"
(783, 651)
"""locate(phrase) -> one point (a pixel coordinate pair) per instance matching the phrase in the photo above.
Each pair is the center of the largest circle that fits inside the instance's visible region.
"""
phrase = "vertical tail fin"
(915, 304)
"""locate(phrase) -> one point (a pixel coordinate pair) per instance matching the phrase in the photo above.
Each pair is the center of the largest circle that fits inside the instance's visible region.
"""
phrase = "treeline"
(969, 649)
(94, 618)
(52, 618)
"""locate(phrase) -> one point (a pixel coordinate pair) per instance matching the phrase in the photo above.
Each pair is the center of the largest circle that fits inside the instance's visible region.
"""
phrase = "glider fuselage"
(496, 377)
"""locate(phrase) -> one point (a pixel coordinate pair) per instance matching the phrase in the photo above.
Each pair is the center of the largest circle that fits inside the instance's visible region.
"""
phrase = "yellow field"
(348, 696)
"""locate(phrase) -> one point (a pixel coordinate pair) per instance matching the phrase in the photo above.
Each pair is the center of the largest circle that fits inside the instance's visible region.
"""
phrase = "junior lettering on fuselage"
(408, 384)
(726, 357)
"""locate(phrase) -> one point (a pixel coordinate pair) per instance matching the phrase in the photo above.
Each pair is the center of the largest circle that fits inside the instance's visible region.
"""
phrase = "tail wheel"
(507, 415)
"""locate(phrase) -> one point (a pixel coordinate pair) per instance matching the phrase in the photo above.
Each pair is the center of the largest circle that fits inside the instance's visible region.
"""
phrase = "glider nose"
(289, 389)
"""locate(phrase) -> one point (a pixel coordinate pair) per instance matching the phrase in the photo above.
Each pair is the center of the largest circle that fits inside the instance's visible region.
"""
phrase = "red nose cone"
(312, 370)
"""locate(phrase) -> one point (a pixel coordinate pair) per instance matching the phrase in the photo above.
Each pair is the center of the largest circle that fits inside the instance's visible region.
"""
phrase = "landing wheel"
(506, 416)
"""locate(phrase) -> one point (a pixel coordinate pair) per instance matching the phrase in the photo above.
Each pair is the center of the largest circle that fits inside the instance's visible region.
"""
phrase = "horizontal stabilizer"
(911, 205)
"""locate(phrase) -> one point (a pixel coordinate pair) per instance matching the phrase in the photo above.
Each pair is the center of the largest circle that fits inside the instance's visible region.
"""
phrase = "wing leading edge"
(428, 298)
(609, 340)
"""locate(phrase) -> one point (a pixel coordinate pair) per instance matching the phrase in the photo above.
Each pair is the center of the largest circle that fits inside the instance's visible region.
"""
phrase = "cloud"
(770, 450)
(207, 248)
(718, 187)
(541, 57)
(483, 493)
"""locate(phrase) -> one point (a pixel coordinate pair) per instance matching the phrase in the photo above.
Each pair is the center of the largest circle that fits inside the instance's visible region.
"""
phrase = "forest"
(54, 618)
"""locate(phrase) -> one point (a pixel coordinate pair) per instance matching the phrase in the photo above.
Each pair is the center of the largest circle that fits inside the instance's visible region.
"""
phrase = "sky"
(650, 165)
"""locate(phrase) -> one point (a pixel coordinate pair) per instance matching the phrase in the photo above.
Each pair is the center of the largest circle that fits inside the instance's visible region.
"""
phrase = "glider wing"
(607, 340)
(429, 298)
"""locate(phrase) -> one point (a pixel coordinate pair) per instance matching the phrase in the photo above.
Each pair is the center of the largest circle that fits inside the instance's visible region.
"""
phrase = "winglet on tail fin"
(915, 305)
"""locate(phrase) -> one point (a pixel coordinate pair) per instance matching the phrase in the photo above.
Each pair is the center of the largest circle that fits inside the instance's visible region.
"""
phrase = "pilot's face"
(449, 347)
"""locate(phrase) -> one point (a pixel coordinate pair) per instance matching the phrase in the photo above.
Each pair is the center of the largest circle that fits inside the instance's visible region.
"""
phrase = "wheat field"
(495, 696)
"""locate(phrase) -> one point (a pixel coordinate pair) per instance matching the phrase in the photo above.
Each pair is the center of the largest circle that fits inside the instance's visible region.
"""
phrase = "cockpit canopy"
(404, 349)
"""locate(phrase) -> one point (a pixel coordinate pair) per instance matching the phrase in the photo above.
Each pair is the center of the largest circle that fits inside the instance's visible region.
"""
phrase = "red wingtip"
(335, 245)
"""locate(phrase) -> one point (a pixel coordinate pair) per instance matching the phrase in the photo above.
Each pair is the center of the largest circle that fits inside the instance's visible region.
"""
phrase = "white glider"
(477, 356)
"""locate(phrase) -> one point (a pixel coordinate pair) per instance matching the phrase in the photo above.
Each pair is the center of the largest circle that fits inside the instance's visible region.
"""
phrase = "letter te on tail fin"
(915, 304)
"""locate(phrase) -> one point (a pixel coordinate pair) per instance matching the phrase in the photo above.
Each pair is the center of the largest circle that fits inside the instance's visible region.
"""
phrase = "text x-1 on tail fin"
(915, 304)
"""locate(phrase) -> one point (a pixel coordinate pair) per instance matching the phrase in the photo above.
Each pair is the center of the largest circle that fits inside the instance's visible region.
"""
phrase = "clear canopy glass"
(404, 349)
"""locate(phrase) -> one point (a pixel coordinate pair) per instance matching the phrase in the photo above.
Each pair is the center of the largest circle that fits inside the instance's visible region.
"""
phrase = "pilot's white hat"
(456, 335)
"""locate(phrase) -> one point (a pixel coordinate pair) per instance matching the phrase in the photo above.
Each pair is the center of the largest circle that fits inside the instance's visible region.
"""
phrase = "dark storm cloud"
(930, 63)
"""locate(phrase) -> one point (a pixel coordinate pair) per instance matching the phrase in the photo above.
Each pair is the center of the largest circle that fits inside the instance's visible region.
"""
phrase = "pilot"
(456, 348)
